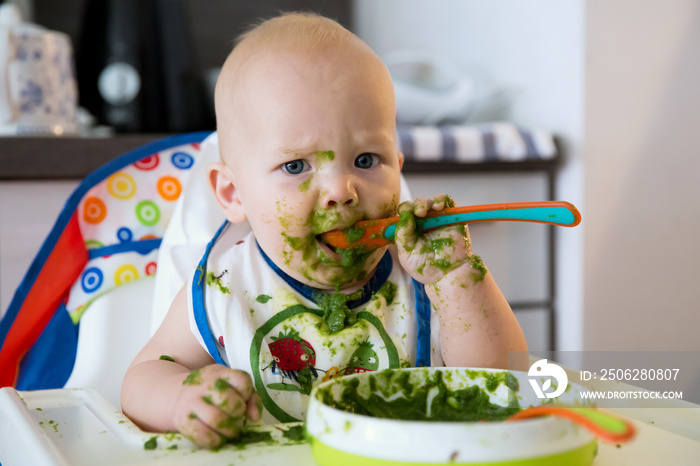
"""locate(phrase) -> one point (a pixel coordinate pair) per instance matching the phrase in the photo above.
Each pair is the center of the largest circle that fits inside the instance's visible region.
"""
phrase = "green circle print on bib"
(294, 358)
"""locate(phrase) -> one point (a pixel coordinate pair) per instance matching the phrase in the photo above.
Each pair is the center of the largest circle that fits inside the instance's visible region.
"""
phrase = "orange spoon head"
(366, 233)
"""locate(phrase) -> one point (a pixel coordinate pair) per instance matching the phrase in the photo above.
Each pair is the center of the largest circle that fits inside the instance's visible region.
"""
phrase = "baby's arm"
(477, 326)
(173, 384)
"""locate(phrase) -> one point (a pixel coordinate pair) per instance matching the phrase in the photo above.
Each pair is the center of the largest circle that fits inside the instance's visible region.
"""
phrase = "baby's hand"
(428, 256)
(214, 403)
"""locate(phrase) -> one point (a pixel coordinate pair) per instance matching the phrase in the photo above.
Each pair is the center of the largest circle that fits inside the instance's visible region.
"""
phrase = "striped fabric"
(493, 142)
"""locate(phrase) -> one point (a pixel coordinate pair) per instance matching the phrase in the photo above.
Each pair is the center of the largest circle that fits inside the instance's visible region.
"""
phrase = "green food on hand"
(165, 357)
(479, 267)
(194, 378)
(221, 384)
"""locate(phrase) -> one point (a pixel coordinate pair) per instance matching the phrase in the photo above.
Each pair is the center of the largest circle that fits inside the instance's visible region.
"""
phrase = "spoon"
(604, 425)
(373, 234)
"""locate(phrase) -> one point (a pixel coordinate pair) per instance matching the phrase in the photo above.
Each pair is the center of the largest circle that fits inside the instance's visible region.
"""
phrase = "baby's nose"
(339, 192)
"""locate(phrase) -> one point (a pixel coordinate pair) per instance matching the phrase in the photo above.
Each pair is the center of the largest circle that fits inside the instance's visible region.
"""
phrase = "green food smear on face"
(466, 404)
(353, 261)
(388, 291)
(336, 313)
(349, 267)
(295, 433)
(151, 443)
(303, 187)
(192, 415)
(322, 220)
(165, 357)
(296, 242)
(323, 156)
(216, 281)
(263, 298)
(480, 270)
(195, 378)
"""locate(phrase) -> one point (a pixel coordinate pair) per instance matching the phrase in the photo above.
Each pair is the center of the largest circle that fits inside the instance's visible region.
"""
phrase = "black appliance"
(136, 67)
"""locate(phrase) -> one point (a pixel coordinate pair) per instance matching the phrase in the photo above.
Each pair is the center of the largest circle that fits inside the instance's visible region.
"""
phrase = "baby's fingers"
(406, 234)
(226, 398)
(441, 201)
(254, 411)
(207, 426)
(421, 206)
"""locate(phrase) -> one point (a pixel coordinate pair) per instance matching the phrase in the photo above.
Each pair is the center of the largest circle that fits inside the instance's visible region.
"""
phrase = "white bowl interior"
(343, 412)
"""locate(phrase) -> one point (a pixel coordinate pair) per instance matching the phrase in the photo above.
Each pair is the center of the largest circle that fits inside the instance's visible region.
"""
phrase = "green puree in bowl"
(392, 395)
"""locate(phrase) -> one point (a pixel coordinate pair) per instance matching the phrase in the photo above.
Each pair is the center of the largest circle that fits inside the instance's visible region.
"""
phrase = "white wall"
(28, 210)
(619, 82)
(534, 51)
(642, 166)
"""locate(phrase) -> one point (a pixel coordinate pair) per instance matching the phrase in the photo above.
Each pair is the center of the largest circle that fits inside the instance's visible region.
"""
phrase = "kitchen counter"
(62, 158)
(48, 158)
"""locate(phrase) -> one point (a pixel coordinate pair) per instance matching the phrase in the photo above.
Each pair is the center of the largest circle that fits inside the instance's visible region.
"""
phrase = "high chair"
(84, 307)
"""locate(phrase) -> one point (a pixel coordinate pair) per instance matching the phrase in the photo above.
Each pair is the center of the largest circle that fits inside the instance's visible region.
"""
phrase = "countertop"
(67, 158)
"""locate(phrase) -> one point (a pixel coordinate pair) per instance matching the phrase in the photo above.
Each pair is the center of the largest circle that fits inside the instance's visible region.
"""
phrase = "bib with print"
(250, 315)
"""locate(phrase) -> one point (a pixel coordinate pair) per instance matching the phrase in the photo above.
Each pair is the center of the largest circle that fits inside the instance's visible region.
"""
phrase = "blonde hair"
(293, 33)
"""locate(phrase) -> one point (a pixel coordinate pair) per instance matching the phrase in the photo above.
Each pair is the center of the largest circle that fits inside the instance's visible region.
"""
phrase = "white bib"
(250, 315)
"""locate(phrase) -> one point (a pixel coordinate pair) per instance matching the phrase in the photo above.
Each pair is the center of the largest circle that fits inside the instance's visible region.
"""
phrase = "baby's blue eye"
(294, 167)
(366, 160)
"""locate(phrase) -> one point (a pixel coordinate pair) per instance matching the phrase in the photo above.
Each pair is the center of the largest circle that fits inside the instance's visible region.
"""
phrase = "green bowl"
(426, 416)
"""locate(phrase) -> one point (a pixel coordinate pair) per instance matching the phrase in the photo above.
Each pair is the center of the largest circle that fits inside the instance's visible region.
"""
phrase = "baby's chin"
(342, 272)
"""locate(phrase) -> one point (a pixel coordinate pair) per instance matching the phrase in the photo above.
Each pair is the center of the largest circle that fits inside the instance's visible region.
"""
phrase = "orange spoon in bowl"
(604, 425)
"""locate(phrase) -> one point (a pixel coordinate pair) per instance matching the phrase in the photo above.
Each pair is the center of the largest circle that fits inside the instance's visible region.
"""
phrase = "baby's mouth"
(327, 249)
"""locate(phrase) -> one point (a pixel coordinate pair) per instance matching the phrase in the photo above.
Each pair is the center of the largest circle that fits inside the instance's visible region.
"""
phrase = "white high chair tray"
(76, 427)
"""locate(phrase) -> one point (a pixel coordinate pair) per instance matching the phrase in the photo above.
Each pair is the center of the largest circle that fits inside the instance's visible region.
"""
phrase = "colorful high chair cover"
(108, 234)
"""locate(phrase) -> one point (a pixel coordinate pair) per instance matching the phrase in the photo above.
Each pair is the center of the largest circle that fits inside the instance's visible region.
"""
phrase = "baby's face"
(320, 154)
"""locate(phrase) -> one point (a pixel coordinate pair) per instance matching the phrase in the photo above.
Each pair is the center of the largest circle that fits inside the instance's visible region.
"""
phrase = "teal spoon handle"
(553, 213)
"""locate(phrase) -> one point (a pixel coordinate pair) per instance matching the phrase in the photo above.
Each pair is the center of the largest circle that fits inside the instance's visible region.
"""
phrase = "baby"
(306, 123)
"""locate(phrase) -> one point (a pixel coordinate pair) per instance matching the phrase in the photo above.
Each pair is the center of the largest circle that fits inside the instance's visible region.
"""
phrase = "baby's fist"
(428, 256)
(214, 403)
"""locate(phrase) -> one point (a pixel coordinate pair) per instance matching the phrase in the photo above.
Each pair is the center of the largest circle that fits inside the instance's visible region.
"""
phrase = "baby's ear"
(400, 155)
(221, 182)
